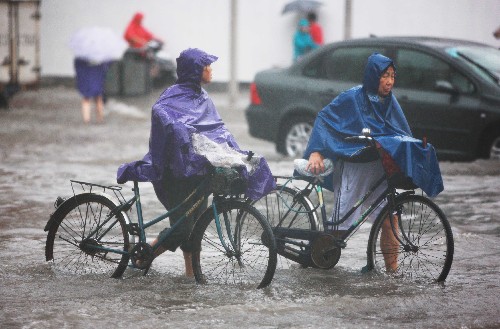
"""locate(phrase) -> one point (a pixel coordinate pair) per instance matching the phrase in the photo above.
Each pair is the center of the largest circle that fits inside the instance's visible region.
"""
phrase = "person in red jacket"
(315, 29)
(136, 35)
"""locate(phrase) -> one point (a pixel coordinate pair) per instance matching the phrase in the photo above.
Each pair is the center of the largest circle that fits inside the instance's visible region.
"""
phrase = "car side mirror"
(445, 86)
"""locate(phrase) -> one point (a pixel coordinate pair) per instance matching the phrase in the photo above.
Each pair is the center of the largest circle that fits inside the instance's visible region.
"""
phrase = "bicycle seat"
(300, 165)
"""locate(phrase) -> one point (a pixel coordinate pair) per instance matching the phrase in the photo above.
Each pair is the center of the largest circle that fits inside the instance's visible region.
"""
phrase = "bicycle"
(423, 247)
(91, 233)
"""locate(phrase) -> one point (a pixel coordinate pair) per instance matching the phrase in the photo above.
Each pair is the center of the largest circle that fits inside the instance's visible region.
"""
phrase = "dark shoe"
(365, 269)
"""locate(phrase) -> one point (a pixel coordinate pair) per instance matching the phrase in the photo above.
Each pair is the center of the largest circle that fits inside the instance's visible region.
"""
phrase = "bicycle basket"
(227, 181)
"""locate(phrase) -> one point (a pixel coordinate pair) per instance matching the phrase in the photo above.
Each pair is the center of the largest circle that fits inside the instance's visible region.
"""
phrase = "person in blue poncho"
(302, 40)
(183, 114)
(371, 105)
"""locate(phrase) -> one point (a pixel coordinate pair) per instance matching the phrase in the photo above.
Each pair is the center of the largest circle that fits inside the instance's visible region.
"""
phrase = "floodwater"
(44, 144)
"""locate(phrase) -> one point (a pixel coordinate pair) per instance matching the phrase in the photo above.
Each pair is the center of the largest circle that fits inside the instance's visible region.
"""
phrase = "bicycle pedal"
(340, 244)
(133, 229)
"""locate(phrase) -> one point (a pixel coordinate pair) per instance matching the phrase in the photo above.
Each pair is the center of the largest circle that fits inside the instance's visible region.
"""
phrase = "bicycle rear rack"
(87, 187)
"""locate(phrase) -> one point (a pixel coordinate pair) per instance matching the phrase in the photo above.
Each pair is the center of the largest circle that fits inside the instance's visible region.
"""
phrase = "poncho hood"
(375, 66)
(137, 19)
(190, 65)
(360, 107)
(303, 23)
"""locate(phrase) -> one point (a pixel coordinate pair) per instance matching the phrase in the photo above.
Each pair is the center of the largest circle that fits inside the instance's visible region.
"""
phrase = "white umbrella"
(97, 44)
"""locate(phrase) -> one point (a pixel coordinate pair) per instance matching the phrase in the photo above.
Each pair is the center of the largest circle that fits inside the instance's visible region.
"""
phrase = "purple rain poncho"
(183, 111)
(359, 108)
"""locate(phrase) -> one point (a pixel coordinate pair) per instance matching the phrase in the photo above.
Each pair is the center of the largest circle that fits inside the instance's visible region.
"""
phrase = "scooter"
(163, 68)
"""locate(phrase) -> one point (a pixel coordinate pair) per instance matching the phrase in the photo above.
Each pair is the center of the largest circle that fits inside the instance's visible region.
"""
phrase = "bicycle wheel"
(284, 207)
(247, 255)
(76, 244)
(423, 250)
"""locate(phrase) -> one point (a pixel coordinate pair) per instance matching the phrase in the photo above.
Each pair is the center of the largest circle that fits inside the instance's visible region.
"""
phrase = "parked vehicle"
(163, 69)
(140, 70)
(19, 48)
(449, 91)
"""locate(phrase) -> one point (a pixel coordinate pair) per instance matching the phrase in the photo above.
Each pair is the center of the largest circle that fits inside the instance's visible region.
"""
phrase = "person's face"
(206, 76)
(386, 82)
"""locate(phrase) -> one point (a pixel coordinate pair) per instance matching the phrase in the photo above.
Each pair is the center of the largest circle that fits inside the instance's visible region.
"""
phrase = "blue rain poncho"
(183, 113)
(360, 107)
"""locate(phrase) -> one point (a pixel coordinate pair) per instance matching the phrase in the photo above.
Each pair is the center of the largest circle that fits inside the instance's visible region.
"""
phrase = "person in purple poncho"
(184, 112)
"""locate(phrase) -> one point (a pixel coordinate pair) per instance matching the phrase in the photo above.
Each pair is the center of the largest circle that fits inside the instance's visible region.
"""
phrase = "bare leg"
(160, 249)
(86, 110)
(188, 264)
(187, 258)
(389, 245)
(100, 109)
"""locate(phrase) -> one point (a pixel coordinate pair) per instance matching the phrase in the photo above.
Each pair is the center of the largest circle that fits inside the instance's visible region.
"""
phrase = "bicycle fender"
(69, 202)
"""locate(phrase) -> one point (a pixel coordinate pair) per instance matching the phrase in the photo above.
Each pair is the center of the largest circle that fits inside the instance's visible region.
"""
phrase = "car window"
(484, 60)
(344, 64)
(417, 70)
(347, 64)
(313, 69)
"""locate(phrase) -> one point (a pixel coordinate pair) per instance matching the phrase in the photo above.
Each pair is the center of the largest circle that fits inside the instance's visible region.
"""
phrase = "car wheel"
(295, 135)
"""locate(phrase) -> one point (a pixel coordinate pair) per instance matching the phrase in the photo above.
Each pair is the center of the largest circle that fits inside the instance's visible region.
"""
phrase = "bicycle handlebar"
(360, 138)
(366, 138)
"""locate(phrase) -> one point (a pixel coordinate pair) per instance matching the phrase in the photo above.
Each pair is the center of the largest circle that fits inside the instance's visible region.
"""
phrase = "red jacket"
(136, 35)
(316, 33)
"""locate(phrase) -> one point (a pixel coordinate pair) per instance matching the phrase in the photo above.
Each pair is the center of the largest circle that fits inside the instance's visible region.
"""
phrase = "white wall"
(264, 34)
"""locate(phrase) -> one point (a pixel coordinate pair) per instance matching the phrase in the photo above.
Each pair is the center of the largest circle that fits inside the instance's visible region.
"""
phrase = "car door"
(447, 116)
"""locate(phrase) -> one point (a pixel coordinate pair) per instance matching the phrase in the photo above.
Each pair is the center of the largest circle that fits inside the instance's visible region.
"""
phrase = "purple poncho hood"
(182, 110)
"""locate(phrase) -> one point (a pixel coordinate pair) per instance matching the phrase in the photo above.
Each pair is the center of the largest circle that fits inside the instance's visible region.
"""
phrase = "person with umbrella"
(90, 78)
(315, 29)
(302, 40)
(94, 49)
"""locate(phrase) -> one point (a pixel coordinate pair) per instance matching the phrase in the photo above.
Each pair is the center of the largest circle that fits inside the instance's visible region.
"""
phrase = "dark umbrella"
(301, 5)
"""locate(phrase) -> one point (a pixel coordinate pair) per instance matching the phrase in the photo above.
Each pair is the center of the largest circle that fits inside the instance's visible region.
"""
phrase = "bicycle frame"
(140, 227)
(287, 234)
(328, 225)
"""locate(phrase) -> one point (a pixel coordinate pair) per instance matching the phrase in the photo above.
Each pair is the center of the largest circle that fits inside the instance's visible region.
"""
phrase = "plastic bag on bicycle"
(227, 181)
(221, 155)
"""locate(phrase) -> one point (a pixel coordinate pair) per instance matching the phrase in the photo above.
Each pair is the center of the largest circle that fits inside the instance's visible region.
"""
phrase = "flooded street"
(44, 144)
